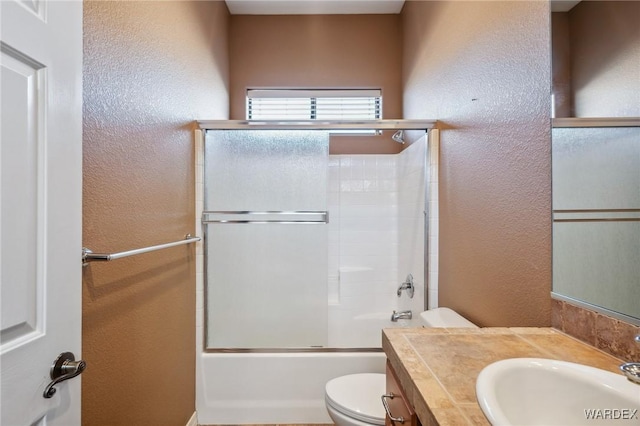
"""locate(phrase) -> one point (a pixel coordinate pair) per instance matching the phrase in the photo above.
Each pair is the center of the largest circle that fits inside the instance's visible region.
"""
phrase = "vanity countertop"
(438, 367)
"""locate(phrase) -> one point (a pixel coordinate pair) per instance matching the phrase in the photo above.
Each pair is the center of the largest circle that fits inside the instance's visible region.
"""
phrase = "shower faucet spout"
(408, 286)
(395, 316)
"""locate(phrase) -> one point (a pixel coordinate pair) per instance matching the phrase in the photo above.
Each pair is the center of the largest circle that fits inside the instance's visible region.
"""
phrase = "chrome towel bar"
(597, 215)
(89, 256)
(284, 217)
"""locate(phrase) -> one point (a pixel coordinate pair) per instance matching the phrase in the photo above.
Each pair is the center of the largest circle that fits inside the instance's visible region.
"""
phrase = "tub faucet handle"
(408, 286)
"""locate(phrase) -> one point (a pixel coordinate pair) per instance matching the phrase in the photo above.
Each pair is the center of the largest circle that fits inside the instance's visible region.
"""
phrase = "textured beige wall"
(320, 51)
(605, 58)
(483, 68)
(150, 70)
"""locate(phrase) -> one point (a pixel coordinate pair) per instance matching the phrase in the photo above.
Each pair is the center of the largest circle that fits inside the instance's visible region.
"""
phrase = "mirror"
(596, 59)
(596, 155)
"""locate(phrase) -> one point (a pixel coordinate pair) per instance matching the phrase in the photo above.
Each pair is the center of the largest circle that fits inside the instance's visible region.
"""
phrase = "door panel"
(247, 174)
(22, 201)
(40, 207)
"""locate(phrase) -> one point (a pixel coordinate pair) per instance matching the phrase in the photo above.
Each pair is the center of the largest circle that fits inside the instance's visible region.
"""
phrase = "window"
(314, 104)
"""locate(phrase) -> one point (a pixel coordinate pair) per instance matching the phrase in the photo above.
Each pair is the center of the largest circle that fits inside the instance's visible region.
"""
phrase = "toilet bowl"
(354, 400)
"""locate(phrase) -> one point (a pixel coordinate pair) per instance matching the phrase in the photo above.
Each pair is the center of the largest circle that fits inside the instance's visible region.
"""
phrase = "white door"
(40, 207)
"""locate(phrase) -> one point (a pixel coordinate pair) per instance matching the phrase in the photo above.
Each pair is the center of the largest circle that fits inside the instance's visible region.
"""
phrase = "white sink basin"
(536, 391)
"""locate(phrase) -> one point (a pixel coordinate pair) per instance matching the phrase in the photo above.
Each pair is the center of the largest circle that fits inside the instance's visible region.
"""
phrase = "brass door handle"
(65, 367)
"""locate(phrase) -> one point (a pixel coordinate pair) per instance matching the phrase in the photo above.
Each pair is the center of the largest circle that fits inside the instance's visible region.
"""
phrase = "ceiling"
(338, 7)
(313, 7)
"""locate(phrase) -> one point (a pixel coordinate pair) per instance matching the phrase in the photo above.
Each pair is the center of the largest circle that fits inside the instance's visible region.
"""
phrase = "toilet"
(354, 399)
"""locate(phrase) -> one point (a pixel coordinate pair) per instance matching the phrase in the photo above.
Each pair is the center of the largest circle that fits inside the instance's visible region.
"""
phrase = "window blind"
(314, 104)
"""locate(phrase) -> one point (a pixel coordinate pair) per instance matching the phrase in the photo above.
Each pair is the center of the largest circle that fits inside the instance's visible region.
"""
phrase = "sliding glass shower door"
(266, 239)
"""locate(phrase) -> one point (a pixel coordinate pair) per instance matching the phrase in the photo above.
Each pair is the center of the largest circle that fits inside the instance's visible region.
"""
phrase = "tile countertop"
(438, 367)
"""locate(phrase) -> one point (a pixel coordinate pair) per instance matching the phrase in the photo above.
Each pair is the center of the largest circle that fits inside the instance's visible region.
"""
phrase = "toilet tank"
(445, 317)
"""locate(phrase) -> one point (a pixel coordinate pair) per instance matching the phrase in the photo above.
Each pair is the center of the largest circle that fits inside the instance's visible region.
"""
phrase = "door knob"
(65, 367)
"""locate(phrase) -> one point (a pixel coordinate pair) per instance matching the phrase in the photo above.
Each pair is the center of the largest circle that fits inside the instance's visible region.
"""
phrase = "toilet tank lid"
(445, 317)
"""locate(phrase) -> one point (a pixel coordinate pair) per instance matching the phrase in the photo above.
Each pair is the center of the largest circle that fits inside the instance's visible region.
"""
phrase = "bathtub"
(278, 388)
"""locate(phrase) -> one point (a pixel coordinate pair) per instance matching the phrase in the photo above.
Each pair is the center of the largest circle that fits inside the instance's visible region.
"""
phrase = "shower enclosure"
(303, 256)
(266, 239)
